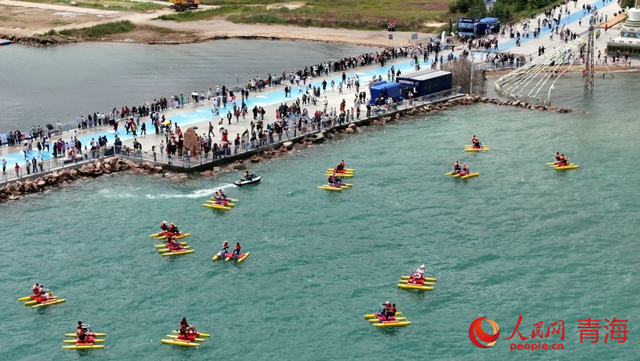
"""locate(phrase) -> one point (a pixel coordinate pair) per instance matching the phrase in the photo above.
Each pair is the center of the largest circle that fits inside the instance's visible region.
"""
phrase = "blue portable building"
(385, 90)
(425, 82)
(487, 26)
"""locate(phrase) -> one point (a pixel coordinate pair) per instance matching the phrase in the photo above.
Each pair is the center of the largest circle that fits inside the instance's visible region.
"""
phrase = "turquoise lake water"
(520, 239)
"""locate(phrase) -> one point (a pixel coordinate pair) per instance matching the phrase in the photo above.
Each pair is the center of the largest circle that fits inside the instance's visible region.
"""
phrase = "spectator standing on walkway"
(4, 166)
(17, 168)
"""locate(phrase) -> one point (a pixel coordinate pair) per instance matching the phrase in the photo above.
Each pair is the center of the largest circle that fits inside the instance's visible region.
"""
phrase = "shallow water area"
(520, 239)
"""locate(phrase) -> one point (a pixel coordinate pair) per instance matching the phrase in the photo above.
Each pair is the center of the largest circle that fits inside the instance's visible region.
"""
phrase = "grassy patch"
(351, 14)
(58, 22)
(100, 30)
(156, 29)
(116, 5)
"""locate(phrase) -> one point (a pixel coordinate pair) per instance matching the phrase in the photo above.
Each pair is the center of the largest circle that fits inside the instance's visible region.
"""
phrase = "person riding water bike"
(386, 310)
(80, 332)
(236, 251)
(476, 142)
(558, 157)
(456, 167)
(173, 229)
(163, 226)
(340, 166)
(465, 169)
(36, 289)
(44, 294)
(335, 181)
(563, 161)
(172, 243)
(225, 248)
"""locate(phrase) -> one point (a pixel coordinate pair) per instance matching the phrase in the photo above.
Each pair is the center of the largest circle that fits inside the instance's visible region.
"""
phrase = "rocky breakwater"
(288, 147)
(94, 169)
(465, 100)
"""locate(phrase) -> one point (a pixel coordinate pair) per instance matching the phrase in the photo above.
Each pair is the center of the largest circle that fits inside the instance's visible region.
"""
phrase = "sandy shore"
(28, 20)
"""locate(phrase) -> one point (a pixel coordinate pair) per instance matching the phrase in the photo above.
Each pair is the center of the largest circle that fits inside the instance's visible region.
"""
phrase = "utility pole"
(473, 65)
(589, 66)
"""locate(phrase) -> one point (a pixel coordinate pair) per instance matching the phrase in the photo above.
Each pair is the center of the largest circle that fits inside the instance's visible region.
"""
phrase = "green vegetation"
(411, 15)
(627, 3)
(100, 30)
(116, 5)
(51, 32)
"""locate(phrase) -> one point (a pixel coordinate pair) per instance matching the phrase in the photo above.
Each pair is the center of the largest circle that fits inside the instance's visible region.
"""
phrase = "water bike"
(221, 202)
(566, 167)
(187, 337)
(244, 181)
(220, 255)
(181, 342)
(331, 188)
(341, 171)
(96, 334)
(339, 184)
(341, 174)
(425, 279)
(225, 199)
(463, 174)
(44, 301)
(164, 245)
(38, 299)
(216, 206)
(185, 340)
(32, 298)
(177, 252)
(241, 257)
(89, 341)
(198, 334)
(417, 281)
(178, 236)
(170, 249)
(380, 320)
(471, 148)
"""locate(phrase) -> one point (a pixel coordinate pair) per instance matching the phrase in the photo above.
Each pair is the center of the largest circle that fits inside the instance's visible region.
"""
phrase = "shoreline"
(17, 188)
(55, 40)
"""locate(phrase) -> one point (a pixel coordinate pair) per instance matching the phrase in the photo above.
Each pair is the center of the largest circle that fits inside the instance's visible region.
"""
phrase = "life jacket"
(456, 165)
(558, 157)
(465, 168)
(36, 289)
(238, 248)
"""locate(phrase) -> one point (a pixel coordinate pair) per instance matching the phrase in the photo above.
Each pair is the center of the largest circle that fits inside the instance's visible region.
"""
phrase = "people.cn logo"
(477, 334)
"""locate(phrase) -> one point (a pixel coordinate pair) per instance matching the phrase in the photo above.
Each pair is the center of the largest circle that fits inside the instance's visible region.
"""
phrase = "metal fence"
(308, 126)
(26, 169)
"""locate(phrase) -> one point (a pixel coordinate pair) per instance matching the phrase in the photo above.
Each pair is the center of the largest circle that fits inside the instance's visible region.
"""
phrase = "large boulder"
(320, 138)
(288, 145)
(191, 139)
